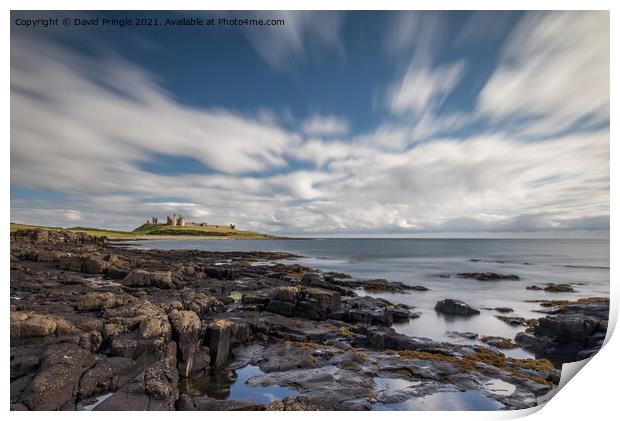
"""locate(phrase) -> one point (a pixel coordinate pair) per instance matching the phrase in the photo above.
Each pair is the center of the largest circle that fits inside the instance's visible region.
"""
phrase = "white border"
(590, 395)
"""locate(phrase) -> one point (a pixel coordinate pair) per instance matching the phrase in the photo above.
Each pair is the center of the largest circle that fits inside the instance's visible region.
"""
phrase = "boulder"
(99, 301)
(566, 327)
(559, 288)
(371, 310)
(498, 342)
(466, 335)
(187, 332)
(224, 272)
(382, 285)
(30, 325)
(94, 264)
(70, 262)
(142, 278)
(201, 303)
(513, 321)
(307, 302)
(218, 337)
(97, 380)
(317, 303)
(455, 307)
(56, 383)
(155, 327)
(49, 255)
(573, 332)
(154, 389)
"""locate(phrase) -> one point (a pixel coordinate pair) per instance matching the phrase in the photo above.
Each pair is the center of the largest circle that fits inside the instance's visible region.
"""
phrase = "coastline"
(322, 339)
(196, 238)
(113, 235)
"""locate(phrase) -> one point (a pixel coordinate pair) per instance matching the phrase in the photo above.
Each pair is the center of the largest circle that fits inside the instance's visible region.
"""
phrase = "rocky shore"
(97, 326)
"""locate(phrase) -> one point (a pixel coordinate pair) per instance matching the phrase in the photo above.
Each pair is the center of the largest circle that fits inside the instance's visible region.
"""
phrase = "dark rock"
(94, 264)
(224, 272)
(513, 321)
(201, 303)
(155, 388)
(205, 403)
(466, 335)
(142, 278)
(316, 280)
(56, 383)
(305, 403)
(97, 380)
(559, 288)
(371, 310)
(219, 339)
(23, 364)
(155, 327)
(567, 327)
(29, 325)
(575, 331)
(455, 307)
(498, 342)
(310, 303)
(488, 276)
(187, 332)
(99, 301)
(382, 285)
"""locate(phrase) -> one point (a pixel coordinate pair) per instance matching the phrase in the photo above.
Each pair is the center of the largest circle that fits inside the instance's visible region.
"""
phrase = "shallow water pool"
(231, 385)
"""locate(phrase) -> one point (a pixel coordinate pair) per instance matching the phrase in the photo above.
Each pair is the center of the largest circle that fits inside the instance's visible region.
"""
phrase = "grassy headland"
(160, 231)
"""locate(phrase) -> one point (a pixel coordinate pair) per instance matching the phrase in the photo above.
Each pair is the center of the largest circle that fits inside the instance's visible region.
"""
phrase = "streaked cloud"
(83, 127)
(554, 71)
(423, 87)
(328, 125)
(303, 31)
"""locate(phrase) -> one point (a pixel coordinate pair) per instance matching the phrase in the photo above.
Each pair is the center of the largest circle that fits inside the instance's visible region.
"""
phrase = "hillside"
(195, 231)
(150, 231)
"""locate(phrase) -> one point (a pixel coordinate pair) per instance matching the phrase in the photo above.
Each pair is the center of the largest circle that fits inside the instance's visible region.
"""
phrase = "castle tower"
(172, 220)
(181, 221)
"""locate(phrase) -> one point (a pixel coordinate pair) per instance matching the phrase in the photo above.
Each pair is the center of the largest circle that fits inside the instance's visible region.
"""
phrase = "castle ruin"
(180, 221)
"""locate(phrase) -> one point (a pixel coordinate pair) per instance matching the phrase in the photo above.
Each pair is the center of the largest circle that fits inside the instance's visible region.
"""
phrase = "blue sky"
(358, 123)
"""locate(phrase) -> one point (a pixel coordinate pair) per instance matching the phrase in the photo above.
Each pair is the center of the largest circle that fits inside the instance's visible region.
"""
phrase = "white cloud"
(172, 204)
(80, 127)
(555, 68)
(303, 31)
(419, 34)
(90, 122)
(423, 88)
(325, 125)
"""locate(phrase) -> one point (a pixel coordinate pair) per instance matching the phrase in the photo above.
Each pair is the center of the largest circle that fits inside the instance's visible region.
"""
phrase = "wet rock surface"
(488, 276)
(102, 327)
(551, 287)
(455, 307)
(572, 331)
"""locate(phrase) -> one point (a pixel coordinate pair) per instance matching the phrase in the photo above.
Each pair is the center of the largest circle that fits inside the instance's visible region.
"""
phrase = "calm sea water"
(583, 263)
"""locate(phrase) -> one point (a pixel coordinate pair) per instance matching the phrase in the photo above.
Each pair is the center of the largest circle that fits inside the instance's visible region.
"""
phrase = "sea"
(582, 263)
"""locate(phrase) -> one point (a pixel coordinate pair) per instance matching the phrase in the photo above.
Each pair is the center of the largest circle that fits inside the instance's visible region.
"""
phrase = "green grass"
(158, 231)
(196, 231)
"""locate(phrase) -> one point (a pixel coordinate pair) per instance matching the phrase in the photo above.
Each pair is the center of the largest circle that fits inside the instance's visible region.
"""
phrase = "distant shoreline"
(143, 233)
(197, 238)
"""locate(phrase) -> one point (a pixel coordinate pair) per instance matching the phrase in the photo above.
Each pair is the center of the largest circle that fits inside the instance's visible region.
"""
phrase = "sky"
(370, 124)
